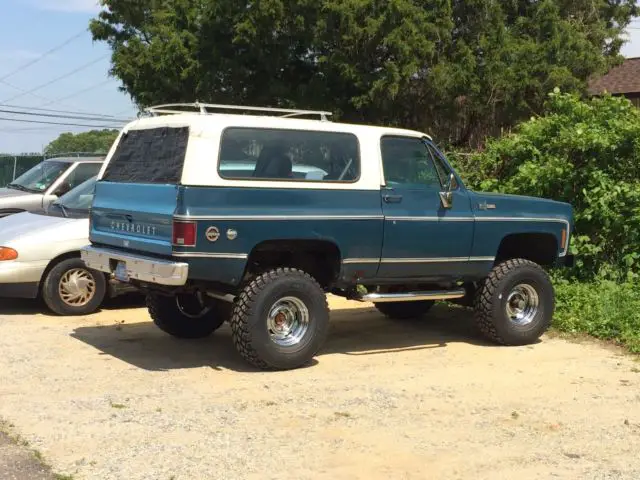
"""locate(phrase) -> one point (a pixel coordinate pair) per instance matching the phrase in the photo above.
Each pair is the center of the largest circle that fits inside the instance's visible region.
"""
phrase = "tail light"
(184, 234)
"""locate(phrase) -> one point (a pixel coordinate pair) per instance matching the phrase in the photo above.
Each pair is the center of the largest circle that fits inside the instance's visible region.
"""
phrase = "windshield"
(79, 198)
(40, 177)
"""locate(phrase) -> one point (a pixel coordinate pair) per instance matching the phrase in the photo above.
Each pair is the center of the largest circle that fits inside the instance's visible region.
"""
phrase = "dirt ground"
(19, 463)
(109, 396)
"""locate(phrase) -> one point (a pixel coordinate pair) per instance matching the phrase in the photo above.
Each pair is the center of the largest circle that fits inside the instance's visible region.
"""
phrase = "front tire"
(405, 310)
(515, 303)
(70, 288)
(185, 316)
(280, 320)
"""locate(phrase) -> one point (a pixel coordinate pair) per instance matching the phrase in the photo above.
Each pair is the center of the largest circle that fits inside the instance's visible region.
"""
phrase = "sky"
(30, 28)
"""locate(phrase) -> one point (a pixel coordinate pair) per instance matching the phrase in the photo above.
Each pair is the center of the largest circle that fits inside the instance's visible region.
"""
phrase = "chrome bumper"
(137, 267)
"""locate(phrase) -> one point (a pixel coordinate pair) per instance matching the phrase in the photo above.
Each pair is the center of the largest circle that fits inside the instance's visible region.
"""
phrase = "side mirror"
(62, 189)
(446, 196)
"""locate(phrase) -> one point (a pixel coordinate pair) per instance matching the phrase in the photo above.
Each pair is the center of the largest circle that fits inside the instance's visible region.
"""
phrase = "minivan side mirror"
(446, 196)
(62, 189)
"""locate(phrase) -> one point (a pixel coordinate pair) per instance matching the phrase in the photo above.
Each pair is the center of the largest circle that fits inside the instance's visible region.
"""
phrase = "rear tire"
(70, 288)
(280, 320)
(515, 303)
(183, 316)
(405, 310)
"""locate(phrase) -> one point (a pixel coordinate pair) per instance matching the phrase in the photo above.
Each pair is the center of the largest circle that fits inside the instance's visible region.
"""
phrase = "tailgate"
(137, 196)
(134, 216)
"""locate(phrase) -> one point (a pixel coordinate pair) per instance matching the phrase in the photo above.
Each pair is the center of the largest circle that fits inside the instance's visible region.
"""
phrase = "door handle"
(392, 198)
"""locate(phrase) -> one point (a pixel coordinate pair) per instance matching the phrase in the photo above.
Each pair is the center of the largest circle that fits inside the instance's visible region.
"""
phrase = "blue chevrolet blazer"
(252, 215)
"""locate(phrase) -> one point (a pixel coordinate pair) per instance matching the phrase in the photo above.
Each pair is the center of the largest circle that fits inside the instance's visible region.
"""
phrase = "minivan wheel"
(186, 315)
(70, 288)
(280, 319)
(515, 304)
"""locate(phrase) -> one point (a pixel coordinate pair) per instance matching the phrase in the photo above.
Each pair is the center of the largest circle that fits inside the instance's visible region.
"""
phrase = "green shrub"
(586, 153)
(602, 308)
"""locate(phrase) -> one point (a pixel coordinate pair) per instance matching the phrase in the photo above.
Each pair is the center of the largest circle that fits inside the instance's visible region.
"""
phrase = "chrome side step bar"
(412, 296)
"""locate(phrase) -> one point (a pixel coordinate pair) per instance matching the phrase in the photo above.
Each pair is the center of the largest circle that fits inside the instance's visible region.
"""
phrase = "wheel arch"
(320, 258)
(539, 247)
(56, 260)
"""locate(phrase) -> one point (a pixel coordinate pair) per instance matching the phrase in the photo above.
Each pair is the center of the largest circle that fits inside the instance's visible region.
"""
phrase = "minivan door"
(422, 239)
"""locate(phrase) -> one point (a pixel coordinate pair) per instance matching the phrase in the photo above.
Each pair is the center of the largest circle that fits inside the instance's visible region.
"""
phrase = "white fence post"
(15, 164)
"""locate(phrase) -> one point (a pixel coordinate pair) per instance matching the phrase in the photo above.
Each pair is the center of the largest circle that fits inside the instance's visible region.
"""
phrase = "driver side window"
(408, 162)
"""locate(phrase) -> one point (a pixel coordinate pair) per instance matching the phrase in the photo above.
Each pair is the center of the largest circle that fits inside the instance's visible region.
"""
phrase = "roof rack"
(204, 109)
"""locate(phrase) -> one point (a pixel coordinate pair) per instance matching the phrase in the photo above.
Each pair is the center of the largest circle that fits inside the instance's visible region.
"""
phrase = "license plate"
(121, 272)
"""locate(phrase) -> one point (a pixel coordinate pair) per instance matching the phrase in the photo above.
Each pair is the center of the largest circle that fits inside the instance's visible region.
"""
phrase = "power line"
(35, 95)
(61, 77)
(44, 55)
(79, 92)
(37, 130)
(22, 90)
(71, 117)
(55, 123)
(22, 107)
(33, 129)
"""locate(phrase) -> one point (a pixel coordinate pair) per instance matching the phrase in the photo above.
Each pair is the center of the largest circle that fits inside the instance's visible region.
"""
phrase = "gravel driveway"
(109, 396)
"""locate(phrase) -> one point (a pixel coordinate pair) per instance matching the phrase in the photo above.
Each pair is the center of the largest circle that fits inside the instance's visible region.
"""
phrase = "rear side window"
(154, 155)
(275, 154)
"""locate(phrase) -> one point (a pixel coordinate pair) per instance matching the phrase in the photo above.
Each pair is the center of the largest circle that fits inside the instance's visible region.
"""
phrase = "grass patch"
(118, 406)
(602, 309)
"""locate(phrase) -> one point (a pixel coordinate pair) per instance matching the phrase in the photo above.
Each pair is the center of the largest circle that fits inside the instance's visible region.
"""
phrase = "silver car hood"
(10, 192)
(20, 225)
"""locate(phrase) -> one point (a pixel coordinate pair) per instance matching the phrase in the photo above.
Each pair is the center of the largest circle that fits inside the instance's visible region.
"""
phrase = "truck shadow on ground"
(21, 306)
(354, 332)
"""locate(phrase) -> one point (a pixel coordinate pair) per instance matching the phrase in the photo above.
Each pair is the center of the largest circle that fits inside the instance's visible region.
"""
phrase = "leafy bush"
(602, 308)
(586, 153)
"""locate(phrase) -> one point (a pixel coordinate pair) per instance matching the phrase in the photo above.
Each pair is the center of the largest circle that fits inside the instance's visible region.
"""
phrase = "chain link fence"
(12, 166)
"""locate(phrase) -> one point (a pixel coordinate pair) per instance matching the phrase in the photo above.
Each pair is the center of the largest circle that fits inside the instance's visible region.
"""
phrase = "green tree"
(459, 69)
(94, 141)
(586, 153)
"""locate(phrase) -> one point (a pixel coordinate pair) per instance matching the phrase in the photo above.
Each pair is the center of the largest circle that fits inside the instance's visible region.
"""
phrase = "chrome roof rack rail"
(206, 109)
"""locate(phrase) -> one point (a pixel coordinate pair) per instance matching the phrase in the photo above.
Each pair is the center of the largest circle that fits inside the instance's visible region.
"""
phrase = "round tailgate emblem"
(212, 234)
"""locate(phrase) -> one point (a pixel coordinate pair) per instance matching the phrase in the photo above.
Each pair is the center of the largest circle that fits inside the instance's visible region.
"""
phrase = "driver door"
(422, 239)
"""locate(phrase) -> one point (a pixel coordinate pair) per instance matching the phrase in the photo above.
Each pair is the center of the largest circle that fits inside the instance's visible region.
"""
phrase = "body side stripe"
(278, 217)
(231, 256)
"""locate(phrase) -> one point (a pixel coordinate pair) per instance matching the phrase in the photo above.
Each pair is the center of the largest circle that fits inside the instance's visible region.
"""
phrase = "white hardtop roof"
(202, 122)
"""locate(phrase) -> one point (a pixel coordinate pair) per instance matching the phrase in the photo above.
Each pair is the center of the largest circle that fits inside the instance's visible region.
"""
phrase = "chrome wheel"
(522, 304)
(192, 306)
(288, 321)
(77, 287)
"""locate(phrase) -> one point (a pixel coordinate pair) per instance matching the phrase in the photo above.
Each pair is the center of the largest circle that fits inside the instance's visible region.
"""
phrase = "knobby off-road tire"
(515, 303)
(70, 288)
(174, 316)
(280, 319)
(405, 310)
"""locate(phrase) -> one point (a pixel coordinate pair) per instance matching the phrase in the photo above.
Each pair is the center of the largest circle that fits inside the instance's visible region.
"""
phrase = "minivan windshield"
(80, 198)
(40, 177)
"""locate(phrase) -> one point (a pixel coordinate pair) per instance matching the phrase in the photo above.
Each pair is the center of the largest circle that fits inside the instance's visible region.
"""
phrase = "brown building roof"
(624, 78)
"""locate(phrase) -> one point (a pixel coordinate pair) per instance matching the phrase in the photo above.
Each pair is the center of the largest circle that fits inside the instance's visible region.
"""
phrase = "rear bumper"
(138, 267)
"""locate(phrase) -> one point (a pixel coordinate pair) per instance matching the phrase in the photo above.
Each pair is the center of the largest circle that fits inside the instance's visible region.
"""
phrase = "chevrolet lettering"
(251, 215)
(148, 230)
